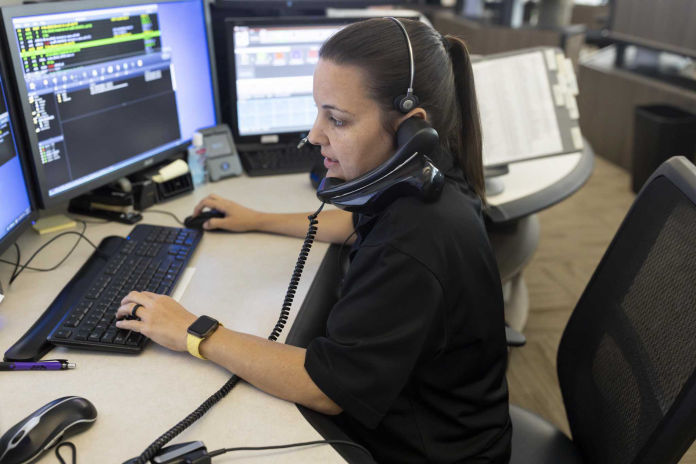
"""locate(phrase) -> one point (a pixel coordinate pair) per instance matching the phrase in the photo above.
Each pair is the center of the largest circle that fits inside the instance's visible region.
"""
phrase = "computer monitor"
(108, 87)
(271, 68)
(17, 211)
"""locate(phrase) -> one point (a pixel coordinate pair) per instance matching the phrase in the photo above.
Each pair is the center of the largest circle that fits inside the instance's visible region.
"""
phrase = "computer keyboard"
(279, 159)
(151, 258)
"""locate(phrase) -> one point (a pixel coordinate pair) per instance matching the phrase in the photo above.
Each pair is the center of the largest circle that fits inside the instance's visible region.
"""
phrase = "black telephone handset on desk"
(408, 172)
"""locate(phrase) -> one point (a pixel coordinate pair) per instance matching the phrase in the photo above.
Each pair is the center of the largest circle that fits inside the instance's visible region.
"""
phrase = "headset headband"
(406, 103)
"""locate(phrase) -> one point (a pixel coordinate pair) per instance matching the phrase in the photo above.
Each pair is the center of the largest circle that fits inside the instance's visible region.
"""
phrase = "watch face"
(203, 326)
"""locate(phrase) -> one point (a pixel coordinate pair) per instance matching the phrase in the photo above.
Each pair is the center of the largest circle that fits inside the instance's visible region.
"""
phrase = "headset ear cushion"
(405, 103)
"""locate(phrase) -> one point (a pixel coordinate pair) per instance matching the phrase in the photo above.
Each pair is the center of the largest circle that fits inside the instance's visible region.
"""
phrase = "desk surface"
(536, 184)
(240, 279)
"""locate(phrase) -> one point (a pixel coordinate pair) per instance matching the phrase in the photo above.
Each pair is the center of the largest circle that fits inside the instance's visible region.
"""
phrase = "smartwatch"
(201, 329)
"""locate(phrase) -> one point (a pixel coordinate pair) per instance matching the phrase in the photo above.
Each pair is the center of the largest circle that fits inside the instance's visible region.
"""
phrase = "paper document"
(518, 117)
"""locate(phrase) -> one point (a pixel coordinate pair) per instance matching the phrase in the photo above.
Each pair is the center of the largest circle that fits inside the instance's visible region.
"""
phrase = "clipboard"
(527, 102)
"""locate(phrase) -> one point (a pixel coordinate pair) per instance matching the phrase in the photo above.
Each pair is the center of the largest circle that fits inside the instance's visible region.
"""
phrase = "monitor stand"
(109, 202)
(495, 186)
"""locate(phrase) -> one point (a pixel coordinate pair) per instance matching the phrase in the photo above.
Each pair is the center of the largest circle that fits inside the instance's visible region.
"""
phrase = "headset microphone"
(303, 142)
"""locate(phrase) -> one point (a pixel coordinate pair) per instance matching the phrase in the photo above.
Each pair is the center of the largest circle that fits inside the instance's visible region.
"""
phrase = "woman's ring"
(135, 309)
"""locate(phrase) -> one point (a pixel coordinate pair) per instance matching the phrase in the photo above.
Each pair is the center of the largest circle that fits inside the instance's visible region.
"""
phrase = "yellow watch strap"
(193, 343)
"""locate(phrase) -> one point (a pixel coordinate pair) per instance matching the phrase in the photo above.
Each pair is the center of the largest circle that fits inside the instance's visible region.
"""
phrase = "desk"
(240, 279)
(536, 184)
(138, 398)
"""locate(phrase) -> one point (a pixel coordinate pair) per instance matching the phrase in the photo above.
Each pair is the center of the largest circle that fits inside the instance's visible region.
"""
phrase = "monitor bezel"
(17, 81)
(230, 23)
(12, 236)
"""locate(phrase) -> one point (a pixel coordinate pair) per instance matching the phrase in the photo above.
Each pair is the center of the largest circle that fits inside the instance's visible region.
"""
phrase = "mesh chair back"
(627, 359)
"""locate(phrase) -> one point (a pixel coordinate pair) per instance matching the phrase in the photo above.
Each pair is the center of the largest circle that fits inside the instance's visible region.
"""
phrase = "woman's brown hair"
(443, 82)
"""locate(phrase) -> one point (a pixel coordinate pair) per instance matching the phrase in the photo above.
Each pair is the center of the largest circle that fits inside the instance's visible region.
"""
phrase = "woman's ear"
(414, 113)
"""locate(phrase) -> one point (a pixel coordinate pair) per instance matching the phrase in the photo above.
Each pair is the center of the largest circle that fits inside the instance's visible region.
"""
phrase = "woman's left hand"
(161, 318)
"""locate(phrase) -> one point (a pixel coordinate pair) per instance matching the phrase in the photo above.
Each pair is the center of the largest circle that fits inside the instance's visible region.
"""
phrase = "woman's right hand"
(237, 217)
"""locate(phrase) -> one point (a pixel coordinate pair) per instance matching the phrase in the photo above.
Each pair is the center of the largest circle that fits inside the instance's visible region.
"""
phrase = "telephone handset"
(408, 172)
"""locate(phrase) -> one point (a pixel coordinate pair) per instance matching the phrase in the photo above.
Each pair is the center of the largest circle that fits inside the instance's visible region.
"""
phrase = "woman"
(413, 361)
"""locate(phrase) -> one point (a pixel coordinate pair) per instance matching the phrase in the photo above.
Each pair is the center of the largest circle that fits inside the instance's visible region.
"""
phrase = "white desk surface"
(239, 279)
(528, 177)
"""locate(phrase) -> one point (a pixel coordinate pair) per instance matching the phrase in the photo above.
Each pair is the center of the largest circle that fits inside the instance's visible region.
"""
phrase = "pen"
(48, 365)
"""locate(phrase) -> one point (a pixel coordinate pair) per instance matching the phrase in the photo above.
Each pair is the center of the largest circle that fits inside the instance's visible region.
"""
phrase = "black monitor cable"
(165, 438)
(19, 268)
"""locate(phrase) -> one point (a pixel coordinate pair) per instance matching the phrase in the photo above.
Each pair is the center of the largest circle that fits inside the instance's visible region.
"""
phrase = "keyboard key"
(134, 339)
(120, 338)
(63, 333)
(109, 336)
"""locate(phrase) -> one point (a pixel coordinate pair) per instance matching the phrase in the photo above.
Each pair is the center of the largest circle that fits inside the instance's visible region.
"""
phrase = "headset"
(406, 103)
(408, 172)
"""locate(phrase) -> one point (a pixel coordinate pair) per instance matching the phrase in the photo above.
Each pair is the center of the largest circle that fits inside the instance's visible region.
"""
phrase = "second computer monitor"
(16, 211)
(108, 87)
(271, 65)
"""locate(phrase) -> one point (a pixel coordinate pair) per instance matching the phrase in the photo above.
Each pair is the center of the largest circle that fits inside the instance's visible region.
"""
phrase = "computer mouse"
(196, 222)
(45, 427)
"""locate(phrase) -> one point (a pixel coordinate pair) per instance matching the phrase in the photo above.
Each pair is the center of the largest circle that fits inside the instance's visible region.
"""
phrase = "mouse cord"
(165, 438)
(69, 445)
(168, 213)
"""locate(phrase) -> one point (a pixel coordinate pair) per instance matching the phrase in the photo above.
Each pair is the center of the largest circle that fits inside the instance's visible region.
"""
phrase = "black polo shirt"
(415, 349)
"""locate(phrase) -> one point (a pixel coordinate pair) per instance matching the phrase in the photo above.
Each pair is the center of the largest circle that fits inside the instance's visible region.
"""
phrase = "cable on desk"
(168, 213)
(18, 269)
(69, 445)
(104, 221)
(212, 454)
(166, 437)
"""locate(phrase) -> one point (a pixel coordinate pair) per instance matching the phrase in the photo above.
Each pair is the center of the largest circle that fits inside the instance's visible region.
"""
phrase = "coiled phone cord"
(169, 435)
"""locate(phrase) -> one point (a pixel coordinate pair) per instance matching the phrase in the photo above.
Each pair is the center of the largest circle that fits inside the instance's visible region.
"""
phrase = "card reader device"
(222, 159)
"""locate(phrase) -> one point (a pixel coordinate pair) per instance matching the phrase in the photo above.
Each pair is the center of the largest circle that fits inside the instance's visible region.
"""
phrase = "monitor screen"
(109, 87)
(16, 210)
(272, 69)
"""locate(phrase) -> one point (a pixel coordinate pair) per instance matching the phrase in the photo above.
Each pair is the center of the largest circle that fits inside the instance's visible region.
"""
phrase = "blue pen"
(48, 365)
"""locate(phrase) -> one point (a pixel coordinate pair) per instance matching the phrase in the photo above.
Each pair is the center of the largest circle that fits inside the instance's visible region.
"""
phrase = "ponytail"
(465, 140)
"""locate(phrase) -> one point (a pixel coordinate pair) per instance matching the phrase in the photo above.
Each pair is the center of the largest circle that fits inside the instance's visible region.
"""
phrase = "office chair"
(627, 358)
